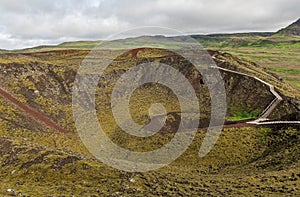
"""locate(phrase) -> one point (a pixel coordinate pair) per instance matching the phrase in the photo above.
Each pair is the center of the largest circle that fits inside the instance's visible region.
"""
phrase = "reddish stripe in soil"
(237, 125)
(134, 52)
(33, 113)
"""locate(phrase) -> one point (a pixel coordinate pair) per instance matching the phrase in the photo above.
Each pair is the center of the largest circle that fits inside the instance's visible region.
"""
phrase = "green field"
(277, 53)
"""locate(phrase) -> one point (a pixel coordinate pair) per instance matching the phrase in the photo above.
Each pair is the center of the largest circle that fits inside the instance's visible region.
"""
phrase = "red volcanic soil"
(237, 125)
(32, 112)
(134, 52)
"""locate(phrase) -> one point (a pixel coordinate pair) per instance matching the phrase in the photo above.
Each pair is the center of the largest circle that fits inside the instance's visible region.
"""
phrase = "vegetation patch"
(285, 71)
(242, 113)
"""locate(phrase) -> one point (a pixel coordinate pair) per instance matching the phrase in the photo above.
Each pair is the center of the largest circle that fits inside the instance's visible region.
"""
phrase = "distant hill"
(75, 45)
(291, 30)
(289, 35)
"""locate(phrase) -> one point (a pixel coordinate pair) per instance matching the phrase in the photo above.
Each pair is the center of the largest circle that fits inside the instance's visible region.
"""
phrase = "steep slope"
(291, 30)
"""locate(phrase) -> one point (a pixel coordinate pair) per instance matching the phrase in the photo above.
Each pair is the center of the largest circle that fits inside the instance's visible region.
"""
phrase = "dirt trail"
(227, 126)
(32, 112)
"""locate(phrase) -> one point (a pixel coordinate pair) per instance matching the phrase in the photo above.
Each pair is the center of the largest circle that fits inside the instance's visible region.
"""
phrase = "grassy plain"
(277, 53)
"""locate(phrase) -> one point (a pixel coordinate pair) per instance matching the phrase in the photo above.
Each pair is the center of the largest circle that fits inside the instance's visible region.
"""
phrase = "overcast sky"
(27, 23)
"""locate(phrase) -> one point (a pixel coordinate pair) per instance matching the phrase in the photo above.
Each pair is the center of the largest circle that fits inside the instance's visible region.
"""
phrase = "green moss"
(243, 115)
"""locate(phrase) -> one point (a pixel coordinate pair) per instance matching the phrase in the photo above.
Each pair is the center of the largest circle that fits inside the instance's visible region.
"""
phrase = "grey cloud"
(25, 23)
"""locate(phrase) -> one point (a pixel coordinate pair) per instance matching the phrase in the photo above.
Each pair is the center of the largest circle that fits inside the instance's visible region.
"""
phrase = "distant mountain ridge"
(291, 30)
(289, 34)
